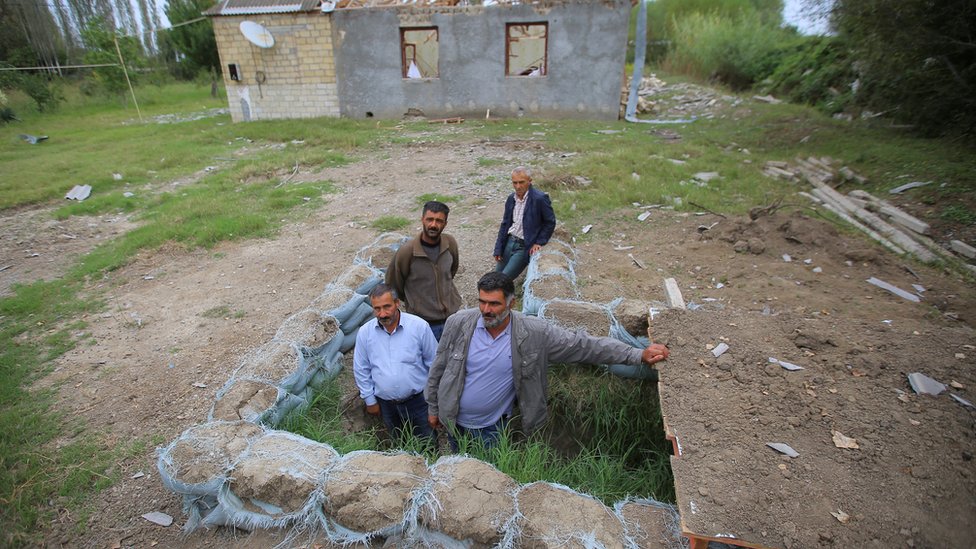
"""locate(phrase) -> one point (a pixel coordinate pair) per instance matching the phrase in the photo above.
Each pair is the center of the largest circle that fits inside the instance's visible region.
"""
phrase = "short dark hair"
(382, 289)
(497, 280)
(436, 207)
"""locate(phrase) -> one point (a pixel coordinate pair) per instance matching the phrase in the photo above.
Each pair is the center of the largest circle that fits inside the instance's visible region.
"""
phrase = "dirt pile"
(554, 516)
(474, 501)
(204, 452)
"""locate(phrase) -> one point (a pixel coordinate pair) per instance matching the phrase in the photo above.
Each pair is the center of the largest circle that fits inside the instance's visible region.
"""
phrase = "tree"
(916, 59)
(100, 40)
(194, 42)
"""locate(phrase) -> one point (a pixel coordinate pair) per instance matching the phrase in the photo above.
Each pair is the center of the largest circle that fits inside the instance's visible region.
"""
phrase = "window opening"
(419, 52)
(525, 49)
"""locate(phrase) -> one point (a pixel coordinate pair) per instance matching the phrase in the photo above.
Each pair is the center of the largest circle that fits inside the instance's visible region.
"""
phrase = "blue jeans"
(412, 411)
(487, 435)
(438, 329)
(514, 258)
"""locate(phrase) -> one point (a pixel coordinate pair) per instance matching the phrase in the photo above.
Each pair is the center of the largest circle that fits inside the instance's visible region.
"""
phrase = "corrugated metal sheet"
(251, 7)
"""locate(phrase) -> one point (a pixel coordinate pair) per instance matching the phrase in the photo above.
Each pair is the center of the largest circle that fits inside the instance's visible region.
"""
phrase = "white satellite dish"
(328, 6)
(257, 34)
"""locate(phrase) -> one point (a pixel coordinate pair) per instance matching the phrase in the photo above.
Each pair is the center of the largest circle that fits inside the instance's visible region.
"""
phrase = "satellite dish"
(257, 34)
(328, 6)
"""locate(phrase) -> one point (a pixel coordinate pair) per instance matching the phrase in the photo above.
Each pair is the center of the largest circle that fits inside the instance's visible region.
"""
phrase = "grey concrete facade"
(586, 50)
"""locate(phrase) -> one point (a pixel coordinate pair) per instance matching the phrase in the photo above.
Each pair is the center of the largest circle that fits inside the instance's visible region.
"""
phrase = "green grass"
(388, 223)
(445, 198)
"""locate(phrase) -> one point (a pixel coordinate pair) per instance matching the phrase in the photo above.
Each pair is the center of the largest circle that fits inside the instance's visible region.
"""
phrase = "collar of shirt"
(383, 328)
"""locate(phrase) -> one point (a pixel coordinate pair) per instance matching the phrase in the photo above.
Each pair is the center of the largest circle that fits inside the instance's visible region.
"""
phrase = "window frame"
(508, 48)
(404, 45)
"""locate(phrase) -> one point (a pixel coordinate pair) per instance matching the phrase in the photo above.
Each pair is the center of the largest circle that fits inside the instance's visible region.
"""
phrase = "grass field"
(90, 141)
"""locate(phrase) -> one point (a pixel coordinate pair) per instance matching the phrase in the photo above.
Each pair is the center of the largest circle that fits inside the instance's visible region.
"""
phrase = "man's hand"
(498, 259)
(654, 353)
(373, 409)
(535, 249)
(434, 422)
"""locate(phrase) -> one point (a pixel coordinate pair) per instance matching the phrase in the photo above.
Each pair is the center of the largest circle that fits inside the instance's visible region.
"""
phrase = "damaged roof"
(251, 7)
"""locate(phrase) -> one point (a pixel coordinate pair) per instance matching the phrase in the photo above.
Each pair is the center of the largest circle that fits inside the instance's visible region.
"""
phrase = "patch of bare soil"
(154, 347)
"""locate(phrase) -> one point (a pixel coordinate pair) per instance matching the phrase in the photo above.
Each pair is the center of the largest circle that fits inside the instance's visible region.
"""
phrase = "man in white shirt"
(391, 360)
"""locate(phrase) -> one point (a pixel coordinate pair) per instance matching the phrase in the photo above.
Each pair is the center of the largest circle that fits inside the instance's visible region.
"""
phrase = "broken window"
(418, 48)
(525, 49)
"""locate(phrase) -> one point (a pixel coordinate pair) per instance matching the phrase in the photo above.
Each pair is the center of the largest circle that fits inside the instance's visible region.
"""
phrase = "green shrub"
(737, 52)
(818, 72)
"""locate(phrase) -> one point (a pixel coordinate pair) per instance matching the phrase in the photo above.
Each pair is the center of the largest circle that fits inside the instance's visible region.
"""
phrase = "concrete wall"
(300, 74)
(587, 47)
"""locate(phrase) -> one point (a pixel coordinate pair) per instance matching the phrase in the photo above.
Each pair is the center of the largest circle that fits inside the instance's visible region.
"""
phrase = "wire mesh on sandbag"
(553, 515)
(551, 274)
(470, 501)
(373, 494)
(360, 278)
(195, 464)
(253, 400)
(651, 523)
(380, 252)
(274, 483)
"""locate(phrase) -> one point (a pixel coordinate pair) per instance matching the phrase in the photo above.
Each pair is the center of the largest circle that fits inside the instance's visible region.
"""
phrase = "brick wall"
(296, 78)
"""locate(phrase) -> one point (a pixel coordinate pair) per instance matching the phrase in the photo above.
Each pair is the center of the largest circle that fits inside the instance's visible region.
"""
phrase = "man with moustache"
(491, 357)
(422, 270)
(391, 360)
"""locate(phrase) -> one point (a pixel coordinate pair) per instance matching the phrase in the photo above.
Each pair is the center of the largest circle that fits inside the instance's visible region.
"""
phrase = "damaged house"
(441, 58)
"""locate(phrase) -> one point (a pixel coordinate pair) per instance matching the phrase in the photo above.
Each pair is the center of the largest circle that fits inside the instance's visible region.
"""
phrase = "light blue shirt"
(489, 389)
(393, 366)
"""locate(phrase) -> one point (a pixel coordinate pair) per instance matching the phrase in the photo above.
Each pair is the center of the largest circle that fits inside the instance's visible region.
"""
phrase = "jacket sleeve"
(395, 276)
(547, 218)
(505, 226)
(455, 260)
(581, 348)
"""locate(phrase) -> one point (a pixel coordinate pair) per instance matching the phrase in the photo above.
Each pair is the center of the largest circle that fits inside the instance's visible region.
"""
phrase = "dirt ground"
(910, 482)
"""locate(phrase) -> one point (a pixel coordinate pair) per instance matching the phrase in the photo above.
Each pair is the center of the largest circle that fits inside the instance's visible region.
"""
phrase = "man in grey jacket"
(490, 357)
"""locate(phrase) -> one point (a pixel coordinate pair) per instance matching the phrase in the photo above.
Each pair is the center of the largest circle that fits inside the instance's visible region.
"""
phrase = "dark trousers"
(412, 412)
(437, 328)
(487, 435)
(514, 258)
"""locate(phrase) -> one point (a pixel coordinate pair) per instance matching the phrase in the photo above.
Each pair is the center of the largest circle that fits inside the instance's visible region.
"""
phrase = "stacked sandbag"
(471, 502)
(195, 464)
(370, 494)
(551, 275)
(650, 524)
(554, 516)
(274, 483)
(577, 315)
(380, 253)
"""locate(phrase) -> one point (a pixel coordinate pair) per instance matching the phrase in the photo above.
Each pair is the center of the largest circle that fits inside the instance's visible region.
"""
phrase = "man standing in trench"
(492, 356)
(423, 269)
(391, 360)
(526, 227)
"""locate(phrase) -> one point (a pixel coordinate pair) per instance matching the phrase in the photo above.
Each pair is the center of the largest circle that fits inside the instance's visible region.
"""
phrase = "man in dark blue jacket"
(526, 226)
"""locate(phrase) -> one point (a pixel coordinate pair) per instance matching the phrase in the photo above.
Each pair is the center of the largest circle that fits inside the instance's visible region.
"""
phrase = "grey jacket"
(535, 344)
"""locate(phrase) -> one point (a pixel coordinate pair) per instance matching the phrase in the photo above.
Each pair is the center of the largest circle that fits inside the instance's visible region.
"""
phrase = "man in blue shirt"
(526, 226)
(391, 360)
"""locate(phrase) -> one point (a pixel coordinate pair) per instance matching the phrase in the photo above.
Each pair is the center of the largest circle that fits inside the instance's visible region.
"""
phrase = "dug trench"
(909, 482)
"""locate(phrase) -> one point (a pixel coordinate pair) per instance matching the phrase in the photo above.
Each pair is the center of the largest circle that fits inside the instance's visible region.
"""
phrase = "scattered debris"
(705, 177)
(842, 441)
(609, 132)
(622, 248)
(33, 139)
(674, 299)
(643, 216)
(956, 385)
(159, 518)
(452, 120)
(79, 192)
(787, 258)
(636, 262)
(140, 474)
(893, 289)
(783, 449)
(117, 176)
(924, 385)
(199, 385)
(587, 228)
(5, 267)
(767, 99)
(907, 186)
(963, 249)
(128, 194)
(841, 516)
(786, 365)
(961, 400)
(720, 349)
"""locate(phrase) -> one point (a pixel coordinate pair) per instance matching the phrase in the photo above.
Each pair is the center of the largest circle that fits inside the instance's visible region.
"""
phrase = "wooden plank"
(674, 299)
(896, 214)
(841, 213)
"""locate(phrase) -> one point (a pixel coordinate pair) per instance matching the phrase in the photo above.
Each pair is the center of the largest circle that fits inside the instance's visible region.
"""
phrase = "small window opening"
(525, 49)
(419, 52)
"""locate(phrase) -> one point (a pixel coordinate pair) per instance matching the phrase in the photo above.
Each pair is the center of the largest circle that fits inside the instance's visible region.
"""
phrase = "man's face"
(434, 223)
(386, 309)
(521, 182)
(494, 307)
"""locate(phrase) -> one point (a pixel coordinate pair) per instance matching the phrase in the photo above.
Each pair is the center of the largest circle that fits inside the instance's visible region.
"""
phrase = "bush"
(818, 72)
(738, 52)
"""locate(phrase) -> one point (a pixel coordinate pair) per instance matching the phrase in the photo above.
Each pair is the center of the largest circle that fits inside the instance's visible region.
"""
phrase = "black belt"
(517, 239)
(405, 400)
